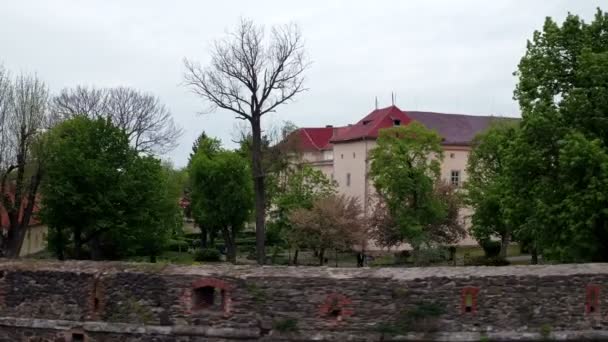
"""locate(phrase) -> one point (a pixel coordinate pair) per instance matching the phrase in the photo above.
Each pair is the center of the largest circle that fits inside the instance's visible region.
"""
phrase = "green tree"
(209, 147)
(405, 167)
(488, 184)
(153, 216)
(558, 167)
(101, 200)
(301, 185)
(222, 194)
(206, 143)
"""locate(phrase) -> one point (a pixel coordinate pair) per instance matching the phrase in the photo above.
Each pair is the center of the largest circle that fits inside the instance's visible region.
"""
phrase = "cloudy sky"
(447, 56)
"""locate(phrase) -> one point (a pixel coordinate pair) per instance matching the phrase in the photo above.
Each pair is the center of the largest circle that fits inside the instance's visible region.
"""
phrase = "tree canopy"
(405, 168)
(222, 194)
(489, 184)
(551, 183)
(101, 199)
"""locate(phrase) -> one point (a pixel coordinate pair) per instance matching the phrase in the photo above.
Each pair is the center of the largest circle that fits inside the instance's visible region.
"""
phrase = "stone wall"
(87, 301)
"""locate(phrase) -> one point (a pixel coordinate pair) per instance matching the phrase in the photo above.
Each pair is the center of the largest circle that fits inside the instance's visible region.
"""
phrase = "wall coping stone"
(243, 272)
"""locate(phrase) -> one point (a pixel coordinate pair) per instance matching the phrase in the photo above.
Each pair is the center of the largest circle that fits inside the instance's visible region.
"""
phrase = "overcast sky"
(446, 56)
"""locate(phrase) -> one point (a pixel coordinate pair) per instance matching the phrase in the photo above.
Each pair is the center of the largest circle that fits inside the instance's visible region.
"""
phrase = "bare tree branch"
(24, 116)
(250, 78)
(142, 116)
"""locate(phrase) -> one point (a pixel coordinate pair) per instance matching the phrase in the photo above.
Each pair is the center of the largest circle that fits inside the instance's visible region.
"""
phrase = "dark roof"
(368, 126)
(455, 129)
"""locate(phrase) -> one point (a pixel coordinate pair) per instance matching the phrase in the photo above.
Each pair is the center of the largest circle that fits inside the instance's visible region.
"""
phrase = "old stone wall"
(87, 301)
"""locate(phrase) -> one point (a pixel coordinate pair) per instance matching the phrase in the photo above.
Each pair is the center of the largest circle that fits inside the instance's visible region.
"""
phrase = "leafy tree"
(101, 197)
(488, 184)
(333, 222)
(558, 166)
(405, 167)
(153, 216)
(450, 229)
(301, 186)
(206, 143)
(222, 195)
(447, 230)
(209, 147)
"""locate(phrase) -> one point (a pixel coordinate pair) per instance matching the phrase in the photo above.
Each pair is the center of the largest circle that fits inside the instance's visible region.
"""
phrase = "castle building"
(343, 153)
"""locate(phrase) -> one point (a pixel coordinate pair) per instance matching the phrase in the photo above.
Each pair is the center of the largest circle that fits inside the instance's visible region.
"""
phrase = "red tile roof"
(313, 139)
(367, 128)
(455, 129)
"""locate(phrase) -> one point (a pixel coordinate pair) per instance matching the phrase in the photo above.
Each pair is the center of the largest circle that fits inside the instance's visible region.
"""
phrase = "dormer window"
(365, 122)
(396, 122)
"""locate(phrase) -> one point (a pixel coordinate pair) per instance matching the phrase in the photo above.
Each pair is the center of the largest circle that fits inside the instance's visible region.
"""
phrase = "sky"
(445, 56)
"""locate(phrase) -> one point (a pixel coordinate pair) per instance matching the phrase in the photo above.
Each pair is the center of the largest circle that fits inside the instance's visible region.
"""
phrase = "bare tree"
(142, 116)
(24, 116)
(251, 78)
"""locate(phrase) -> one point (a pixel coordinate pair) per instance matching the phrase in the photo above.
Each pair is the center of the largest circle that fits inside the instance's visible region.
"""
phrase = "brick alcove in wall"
(336, 308)
(96, 303)
(208, 295)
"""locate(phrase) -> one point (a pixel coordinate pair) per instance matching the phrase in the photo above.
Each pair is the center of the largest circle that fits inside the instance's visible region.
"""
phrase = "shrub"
(428, 256)
(485, 261)
(402, 257)
(207, 255)
(490, 248)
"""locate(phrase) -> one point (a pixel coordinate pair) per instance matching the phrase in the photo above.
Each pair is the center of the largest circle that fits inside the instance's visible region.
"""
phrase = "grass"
(307, 258)
(475, 251)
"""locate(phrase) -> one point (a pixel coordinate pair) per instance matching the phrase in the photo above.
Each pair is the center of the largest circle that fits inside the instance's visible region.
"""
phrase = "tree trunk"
(321, 256)
(94, 245)
(77, 244)
(505, 239)
(259, 189)
(203, 237)
(229, 234)
(295, 256)
(336, 257)
(534, 253)
(14, 240)
(212, 234)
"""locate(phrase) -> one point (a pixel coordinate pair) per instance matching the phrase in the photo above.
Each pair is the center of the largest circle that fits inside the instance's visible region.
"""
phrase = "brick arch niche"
(336, 307)
(209, 295)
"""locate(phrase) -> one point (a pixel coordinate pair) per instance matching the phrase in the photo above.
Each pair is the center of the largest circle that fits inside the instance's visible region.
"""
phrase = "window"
(342, 156)
(592, 301)
(206, 297)
(396, 122)
(455, 177)
(354, 155)
(452, 155)
(78, 337)
(348, 179)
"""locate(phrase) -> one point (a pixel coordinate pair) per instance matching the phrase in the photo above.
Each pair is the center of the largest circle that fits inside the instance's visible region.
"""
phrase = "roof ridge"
(457, 114)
